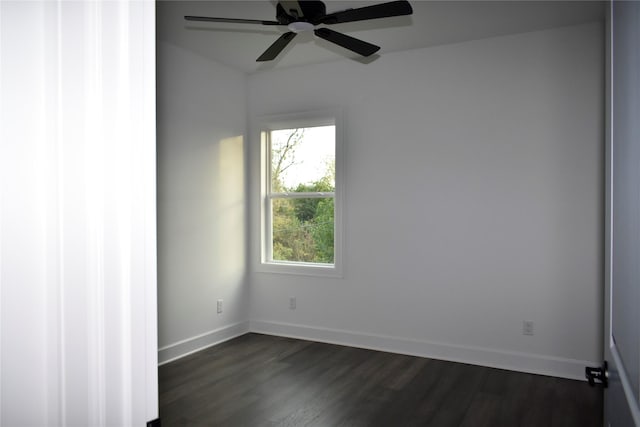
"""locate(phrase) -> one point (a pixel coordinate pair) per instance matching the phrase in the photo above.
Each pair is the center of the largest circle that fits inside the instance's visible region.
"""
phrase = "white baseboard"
(513, 361)
(191, 345)
(501, 359)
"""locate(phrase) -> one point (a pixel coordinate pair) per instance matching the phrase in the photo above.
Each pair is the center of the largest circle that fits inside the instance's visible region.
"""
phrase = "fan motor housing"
(311, 10)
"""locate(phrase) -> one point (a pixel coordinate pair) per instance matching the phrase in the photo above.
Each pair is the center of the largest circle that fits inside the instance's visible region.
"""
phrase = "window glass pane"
(303, 229)
(303, 159)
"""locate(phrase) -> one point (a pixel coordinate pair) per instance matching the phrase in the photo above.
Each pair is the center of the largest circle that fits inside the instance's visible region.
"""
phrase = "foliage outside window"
(300, 196)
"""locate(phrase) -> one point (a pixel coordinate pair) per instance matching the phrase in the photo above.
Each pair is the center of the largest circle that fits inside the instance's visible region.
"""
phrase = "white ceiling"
(432, 23)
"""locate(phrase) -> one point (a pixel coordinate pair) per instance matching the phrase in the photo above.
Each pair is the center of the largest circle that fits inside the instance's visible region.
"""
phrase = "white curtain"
(77, 213)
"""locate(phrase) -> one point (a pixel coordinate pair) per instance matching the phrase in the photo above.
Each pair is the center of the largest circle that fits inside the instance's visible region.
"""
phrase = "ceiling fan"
(306, 15)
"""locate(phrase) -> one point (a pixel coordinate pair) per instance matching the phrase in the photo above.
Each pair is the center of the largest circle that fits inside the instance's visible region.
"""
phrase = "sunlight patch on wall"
(229, 193)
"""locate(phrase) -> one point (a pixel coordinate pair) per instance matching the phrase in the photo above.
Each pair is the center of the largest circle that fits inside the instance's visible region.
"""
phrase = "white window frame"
(266, 124)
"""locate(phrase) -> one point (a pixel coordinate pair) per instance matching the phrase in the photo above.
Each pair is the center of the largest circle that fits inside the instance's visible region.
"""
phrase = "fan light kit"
(300, 26)
(301, 16)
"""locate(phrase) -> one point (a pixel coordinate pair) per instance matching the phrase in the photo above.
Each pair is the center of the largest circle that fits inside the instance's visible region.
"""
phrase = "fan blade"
(230, 20)
(358, 46)
(276, 47)
(383, 10)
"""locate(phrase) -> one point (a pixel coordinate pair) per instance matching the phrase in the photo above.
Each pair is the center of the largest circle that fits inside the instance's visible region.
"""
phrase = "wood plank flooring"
(259, 380)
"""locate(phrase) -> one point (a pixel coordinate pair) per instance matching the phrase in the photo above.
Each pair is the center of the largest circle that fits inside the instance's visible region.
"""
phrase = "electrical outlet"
(527, 327)
(219, 306)
(292, 303)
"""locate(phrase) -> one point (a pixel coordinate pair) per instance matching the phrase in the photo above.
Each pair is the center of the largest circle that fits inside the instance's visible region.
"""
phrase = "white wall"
(201, 201)
(78, 334)
(474, 194)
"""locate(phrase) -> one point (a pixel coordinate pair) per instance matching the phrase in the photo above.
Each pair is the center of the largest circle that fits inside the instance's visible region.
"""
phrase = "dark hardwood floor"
(260, 380)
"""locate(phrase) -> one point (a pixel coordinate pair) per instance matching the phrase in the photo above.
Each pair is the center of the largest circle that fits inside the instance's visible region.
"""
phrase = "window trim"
(307, 119)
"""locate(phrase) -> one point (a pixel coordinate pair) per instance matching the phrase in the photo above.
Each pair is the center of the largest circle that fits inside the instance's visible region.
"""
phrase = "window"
(300, 197)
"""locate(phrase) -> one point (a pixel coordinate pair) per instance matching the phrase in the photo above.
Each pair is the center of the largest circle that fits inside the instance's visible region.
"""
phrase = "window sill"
(300, 268)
